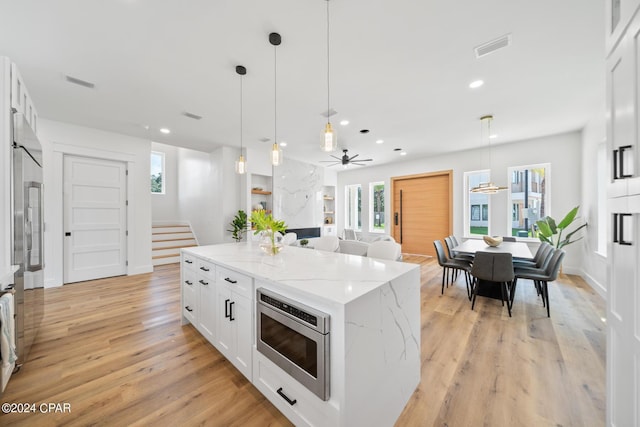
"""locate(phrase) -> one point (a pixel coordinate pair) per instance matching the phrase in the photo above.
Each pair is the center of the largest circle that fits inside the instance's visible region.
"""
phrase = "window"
(157, 172)
(528, 197)
(353, 206)
(376, 207)
(476, 218)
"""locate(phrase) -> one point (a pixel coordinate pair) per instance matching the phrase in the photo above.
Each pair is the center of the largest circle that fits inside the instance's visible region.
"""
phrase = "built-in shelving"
(266, 193)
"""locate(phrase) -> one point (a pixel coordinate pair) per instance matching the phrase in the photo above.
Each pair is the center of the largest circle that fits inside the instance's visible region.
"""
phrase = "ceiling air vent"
(79, 82)
(492, 46)
(191, 115)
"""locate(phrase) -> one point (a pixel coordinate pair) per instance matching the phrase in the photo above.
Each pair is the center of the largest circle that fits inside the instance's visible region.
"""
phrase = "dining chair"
(289, 238)
(326, 243)
(496, 268)
(448, 241)
(349, 234)
(449, 266)
(353, 247)
(541, 277)
(538, 258)
(385, 249)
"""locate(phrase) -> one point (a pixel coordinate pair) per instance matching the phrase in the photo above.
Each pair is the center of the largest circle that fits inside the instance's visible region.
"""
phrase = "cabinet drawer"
(189, 262)
(308, 409)
(206, 268)
(189, 302)
(239, 283)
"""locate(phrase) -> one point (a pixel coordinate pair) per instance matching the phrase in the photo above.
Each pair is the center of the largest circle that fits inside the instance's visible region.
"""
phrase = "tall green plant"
(264, 222)
(238, 225)
(550, 232)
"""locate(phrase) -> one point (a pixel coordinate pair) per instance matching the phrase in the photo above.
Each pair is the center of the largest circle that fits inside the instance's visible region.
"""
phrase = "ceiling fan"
(346, 160)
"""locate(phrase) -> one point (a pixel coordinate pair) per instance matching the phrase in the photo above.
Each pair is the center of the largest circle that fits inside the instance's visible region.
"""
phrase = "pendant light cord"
(275, 95)
(241, 115)
(328, 59)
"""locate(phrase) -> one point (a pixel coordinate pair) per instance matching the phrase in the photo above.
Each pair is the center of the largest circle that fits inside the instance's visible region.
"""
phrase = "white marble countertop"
(335, 277)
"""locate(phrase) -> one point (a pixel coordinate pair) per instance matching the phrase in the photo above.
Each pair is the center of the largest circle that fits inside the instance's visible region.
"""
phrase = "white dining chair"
(385, 249)
(326, 243)
(353, 247)
(289, 238)
(349, 234)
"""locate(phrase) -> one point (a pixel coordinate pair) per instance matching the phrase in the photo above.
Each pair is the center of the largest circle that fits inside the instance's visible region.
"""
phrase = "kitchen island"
(373, 307)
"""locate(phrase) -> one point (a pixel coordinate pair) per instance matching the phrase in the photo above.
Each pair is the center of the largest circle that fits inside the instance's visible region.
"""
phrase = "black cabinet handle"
(203, 282)
(230, 280)
(68, 233)
(204, 269)
(189, 309)
(618, 229)
(618, 163)
(285, 397)
(188, 282)
(231, 318)
(226, 308)
(188, 261)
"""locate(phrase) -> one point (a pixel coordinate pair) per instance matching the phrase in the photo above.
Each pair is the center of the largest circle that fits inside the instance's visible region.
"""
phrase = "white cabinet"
(189, 288)
(234, 320)
(20, 99)
(623, 294)
(206, 284)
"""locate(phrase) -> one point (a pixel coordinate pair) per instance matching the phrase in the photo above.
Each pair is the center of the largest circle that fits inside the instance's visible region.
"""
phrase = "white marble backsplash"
(297, 194)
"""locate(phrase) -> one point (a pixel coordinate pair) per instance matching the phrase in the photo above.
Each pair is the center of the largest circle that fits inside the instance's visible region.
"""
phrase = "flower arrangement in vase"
(270, 229)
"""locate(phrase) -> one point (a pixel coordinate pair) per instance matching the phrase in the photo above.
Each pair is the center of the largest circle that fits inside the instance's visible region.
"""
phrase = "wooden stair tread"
(171, 232)
(170, 226)
(164, 256)
(173, 240)
(174, 247)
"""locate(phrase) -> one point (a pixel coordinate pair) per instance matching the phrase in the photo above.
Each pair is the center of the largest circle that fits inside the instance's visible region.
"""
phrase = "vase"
(271, 243)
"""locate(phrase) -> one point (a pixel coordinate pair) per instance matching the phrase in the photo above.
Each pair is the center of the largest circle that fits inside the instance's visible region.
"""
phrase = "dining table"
(471, 246)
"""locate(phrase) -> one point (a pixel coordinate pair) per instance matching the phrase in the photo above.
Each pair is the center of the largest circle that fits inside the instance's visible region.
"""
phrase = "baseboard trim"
(141, 269)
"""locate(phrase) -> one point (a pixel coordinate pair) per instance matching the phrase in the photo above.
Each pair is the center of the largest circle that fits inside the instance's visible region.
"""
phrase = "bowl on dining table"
(492, 241)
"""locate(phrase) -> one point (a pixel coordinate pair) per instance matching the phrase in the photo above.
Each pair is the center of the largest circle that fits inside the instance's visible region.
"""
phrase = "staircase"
(167, 239)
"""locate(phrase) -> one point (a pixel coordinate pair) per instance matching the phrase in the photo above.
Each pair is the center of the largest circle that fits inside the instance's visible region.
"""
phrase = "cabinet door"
(207, 307)
(242, 328)
(189, 297)
(224, 333)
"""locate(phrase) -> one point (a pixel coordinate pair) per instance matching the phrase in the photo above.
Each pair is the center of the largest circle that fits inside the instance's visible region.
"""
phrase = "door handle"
(395, 218)
(203, 282)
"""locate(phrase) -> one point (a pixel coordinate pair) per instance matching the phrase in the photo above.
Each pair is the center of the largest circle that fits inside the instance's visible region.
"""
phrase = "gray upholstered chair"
(451, 266)
(490, 269)
(448, 241)
(541, 277)
(326, 243)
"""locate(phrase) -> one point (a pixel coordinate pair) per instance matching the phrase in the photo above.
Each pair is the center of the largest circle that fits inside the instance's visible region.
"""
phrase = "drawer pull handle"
(188, 282)
(226, 308)
(230, 280)
(188, 261)
(204, 269)
(231, 318)
(203, 282)
(189, 309)
(285, 397)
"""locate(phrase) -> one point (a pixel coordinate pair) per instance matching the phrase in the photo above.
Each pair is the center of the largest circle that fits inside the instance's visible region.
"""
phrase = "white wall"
(594, 264)
(5, 169)
(59, 139)
(563, 151)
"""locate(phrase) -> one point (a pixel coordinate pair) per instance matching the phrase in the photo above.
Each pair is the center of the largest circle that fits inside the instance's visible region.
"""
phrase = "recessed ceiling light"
(380, 141)
(494, 136)
(283, 144)
(344, 122)
(403, 153)
(165, 131)
(476, 84)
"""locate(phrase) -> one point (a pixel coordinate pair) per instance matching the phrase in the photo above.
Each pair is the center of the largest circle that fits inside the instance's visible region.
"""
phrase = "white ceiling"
(399, 68)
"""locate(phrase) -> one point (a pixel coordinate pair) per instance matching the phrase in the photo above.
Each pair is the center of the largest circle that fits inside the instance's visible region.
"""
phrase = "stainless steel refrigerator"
(28, 235)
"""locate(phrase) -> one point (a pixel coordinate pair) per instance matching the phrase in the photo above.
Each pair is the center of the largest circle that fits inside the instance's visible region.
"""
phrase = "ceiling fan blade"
(337, 158)
(357, 164)
(329, 161)
(353, 157)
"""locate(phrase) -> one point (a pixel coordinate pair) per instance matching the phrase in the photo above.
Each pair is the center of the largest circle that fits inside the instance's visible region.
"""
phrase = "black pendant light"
(241, 163)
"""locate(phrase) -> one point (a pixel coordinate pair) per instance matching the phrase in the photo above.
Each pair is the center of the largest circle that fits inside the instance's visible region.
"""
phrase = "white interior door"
(95, 212)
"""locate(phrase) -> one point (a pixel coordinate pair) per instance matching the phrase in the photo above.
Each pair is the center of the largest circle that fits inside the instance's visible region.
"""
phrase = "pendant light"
(487, 187)
(276, 152)
(241, 163)
(329, 140)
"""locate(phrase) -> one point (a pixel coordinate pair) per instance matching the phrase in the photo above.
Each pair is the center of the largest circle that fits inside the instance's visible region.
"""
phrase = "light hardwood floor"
(115, 351)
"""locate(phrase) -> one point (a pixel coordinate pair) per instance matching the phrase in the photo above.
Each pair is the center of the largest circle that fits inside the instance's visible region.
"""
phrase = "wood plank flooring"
(115, 351)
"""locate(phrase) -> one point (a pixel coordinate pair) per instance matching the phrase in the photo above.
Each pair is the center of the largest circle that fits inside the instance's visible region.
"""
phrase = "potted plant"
(268, 226)
(550, 232)
(238, 225)
(304, 243)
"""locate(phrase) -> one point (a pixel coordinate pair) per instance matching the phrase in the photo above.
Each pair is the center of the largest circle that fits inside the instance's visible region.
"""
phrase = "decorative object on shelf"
(494, 242)
(304, 242)
(551, 233)
(238, 225)
(276, 152)
(257, 207)
(241, 163)
(270, 230)
(487, 187)
(257, 188)
(345, 160)
(329, 137)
